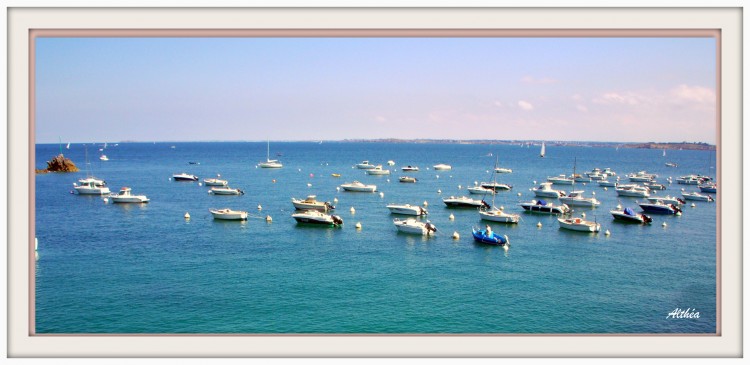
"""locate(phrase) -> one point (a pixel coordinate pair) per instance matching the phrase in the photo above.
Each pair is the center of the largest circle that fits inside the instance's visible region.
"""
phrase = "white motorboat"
(578, 224)
(597, 176)
(498, 215)
(465, 202)
(708, 188)
(606, 183)
(229, 214)
(608, 172)
(544, 190)
(359, 187)
(215, 182)
(365, 165)
(692, 180)
(654, 186)
(561, 180)
(125, 196)
(541, 206)
(407, 179)
(495, 186)
(269, 163)
(378, 170)
(391, 163)
(632, 191)
(104, 158)
(581, 179)
(442, 166)
(697, 196)
(503, 170)
(576, 198)
(480, 190)
(670, 164)
(410, 168)
(184, 177)
(318, 217)
(311, 203)
(91, 179)
(666, 199)
(90, 188)
(641, 176)
(406, 209)
(225, 190)
(411, 225)
(628, 215)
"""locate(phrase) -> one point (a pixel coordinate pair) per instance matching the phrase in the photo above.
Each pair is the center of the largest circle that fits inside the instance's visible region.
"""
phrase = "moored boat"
(359, 187)
(269, 163)
(659, 207)
(365, 165)
(708, 188)
(406, 209)
(410, 168)
(90, 188)
(407, 179)
(378, 170)
(544, 190)
(487, 236)
(579, 224)
(480, 190)
(91, 179)
(495, 186)
(561, 180)
(606, 183)
(215, 182)
(104, 158)
(225, 190)
(576, 198)
(632, 191)
(498, 215)
(411, 225)
(228, 214)
(311, 203)
(184, 177)
(125, 196)
(541, 206)
(503, 170)
(641, 176)
(628, 215)
(464, 202)
(697, 196)
(442, 166)
(667, 199)
(318, 217)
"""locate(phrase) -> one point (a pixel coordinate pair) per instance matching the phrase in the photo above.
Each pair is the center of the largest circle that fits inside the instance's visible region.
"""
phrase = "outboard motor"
(329, 206)
(241, 192)
(681, 201)
(430, 227)
(675, 208)
(337, 220)
(422, 211)
(647, 219)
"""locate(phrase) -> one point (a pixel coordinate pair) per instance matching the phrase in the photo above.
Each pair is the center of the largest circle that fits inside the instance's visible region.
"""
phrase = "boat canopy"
(541, 202)
(629, 212)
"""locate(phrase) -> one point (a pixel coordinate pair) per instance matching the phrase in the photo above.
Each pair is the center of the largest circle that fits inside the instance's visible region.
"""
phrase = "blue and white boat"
(708, 188)
(628, 215)
(487, 236)
(541, 206)
(660, 207)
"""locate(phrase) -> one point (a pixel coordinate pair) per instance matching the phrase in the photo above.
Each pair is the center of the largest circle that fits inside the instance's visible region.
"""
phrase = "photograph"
(501, 185)
(280, 183)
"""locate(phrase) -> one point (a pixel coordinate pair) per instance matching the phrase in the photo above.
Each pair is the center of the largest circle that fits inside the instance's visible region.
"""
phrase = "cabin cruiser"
(697, 196)
(184, 177)
(125, 196)
(410, 168)
(632, 190)
(576, 198)
(407, 179)
(90, 188)
(225, 190)
(708, 188)
(464, 202)
(503, 170)
(545, 191)
(378, 170)
(628, 215)
(641, 176)
(365, 165)
(359, 187)
(97, 182)
(561, 180)
(317, 217)
(311, 203)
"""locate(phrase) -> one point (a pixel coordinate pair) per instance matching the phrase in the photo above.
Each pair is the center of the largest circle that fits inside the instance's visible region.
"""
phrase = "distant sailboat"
(664, 153)
(68, 146)
(541, 153)
(269, 163)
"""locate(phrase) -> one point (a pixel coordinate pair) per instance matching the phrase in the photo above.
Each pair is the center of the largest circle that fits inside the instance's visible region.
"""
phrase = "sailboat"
(541, 153)
(495, 214)
(668, 164)
(269, 163)
(68, 146)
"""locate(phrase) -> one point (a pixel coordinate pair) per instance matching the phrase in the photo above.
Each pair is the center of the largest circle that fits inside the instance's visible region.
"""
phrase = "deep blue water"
(107, 268)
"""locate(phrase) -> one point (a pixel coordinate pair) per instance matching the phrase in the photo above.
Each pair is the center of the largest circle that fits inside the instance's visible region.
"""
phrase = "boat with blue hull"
(488, 237)
(660, 207)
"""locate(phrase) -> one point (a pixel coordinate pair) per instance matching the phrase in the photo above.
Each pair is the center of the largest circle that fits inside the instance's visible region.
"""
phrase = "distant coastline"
(645, 145)
(701, 146)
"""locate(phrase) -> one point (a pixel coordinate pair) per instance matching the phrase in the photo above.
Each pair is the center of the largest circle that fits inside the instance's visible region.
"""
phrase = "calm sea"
(108, 268)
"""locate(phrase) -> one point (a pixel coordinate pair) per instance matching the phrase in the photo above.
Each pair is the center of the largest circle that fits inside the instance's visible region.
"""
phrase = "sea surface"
(127, 268)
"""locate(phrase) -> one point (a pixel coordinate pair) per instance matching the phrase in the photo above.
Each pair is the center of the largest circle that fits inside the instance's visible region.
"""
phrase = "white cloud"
(380, 118)
(693, 94)
(582, 108)
(525, 105)
(628, 98)
(498, 104)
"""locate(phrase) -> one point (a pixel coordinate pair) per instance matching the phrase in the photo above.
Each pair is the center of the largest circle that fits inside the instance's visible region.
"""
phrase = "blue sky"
(229, 89)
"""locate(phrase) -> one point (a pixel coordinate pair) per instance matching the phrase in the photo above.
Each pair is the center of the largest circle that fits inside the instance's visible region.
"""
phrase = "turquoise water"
(107, 268)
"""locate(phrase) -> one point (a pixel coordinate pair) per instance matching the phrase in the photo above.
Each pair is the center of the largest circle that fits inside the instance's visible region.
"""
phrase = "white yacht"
(365, 165)
(578, 224)
(359, 187)
(228, 214)
(406, 209)
(544, 190)
(90, 188)
(378, 170)
(411, 225)
(632, 190)
(317, 217)
(442, 166)
(576, 198)
(225, 190)
(311, 203)
(125, 196)
(184, 177)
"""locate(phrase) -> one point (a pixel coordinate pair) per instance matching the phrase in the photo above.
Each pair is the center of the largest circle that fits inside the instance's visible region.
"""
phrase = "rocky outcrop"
(59, 164)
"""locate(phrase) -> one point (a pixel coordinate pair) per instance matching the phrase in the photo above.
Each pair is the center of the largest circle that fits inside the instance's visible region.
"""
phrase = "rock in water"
(59, 164)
